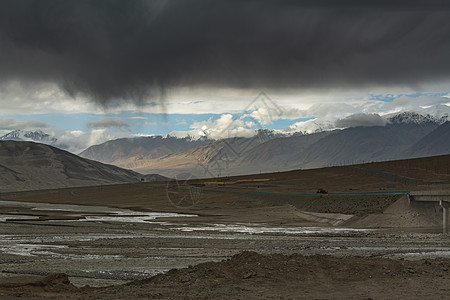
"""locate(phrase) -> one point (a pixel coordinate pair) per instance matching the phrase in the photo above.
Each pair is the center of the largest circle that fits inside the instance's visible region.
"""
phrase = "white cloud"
(29, 99)
(352, 108)
(76, 141)
(328, 112)
(17, 98)
(147, 124)
(332, 111)
(224, 127)
(109, 122)
(265, 115)
(137, 118)
(327, 116)
(12, 124)
(435, 105)
(310, 126)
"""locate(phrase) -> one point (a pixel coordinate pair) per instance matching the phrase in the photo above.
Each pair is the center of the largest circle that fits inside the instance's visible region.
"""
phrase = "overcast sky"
(115, 68)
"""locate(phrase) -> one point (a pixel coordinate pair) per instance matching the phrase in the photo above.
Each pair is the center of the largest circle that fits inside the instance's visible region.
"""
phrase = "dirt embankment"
(403, 214)
(250, 275)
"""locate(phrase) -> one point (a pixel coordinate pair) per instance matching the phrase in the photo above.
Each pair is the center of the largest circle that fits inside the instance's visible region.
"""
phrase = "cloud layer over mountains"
(137, 49)
(361, 119)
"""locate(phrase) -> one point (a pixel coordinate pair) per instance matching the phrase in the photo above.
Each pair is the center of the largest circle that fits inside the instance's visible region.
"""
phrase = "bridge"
(442, 197)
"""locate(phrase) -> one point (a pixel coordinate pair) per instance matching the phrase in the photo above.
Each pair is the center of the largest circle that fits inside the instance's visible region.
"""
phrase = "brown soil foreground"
(250, 275)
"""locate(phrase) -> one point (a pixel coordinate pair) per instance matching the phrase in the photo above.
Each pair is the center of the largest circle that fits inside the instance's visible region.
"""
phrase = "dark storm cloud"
(134, 49)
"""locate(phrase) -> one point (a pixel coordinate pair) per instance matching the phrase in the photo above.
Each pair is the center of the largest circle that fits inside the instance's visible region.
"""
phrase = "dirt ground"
(275, 239)
(249, 275)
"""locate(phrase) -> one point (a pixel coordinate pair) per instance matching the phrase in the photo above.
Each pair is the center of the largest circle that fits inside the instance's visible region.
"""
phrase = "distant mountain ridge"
(140, 148)
(22, 135)
(435, 143)
(405, 135)
(416, 118)
(28, 165)
(268, 152)
(365, 144)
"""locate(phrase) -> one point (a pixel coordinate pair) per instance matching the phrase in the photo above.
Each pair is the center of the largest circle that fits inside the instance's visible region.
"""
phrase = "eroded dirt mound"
(250, 275)
(403, 214)
(47, 286)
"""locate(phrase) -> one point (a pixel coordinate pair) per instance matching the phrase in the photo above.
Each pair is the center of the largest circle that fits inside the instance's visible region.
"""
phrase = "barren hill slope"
(364, 144)
(31, 166)
(125, 151)
(435, 143)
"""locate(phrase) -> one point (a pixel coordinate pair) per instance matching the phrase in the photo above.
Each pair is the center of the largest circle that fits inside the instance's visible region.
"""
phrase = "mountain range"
(405, 135)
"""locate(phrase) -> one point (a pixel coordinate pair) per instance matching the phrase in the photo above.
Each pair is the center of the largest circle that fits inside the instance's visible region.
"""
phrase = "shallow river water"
(99, 245)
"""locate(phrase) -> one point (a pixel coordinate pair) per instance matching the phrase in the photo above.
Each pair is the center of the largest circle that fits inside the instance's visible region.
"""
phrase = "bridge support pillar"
(445, 207)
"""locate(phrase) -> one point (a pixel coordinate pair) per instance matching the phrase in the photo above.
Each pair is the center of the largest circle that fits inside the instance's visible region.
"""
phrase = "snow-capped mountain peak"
(311, 126)
(415, 118)
(22, 135)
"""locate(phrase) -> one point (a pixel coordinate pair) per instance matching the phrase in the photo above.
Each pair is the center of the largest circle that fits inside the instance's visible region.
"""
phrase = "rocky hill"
(33, 166)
